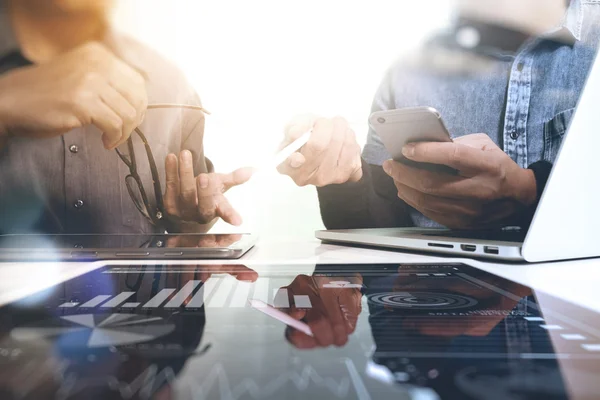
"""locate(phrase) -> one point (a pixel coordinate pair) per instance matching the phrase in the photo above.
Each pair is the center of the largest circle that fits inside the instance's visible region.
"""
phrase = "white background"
(258, 63)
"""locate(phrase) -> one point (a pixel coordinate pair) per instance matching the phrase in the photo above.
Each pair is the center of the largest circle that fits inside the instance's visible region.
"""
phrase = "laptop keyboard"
(502, 235)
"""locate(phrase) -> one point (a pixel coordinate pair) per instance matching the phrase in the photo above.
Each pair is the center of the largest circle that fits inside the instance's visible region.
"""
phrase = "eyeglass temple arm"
(174, 105)
(153, 171)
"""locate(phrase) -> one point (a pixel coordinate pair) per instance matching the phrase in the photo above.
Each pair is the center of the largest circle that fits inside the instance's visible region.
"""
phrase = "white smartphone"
(405, 125)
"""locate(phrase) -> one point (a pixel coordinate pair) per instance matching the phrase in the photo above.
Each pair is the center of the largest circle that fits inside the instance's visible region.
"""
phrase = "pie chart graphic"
(422, 300)
(96, 330)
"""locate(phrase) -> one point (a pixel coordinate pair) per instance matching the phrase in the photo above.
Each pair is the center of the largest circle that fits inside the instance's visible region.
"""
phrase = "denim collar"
(569, 30)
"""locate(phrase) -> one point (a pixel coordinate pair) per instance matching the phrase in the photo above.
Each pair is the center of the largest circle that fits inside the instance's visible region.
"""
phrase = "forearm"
(371, 202)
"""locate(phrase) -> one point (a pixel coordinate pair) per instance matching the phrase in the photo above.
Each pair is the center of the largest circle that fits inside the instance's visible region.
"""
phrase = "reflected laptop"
(554, 234)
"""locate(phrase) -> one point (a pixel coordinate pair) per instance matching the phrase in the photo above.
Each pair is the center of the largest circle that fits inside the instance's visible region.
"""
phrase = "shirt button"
(520, 67)
(73, 148)
(78, 204)
(514, 135)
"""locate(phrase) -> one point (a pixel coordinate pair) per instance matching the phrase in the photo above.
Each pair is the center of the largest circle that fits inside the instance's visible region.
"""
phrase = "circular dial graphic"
(422, 300)
(96, 330)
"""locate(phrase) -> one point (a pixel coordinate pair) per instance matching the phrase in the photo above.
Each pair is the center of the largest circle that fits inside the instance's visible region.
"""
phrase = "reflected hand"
(334, 312)
(489, 191)
(206, 241)
(455, 325)
(331, 156)
(88, 85)
(200, 199)
(204, 272)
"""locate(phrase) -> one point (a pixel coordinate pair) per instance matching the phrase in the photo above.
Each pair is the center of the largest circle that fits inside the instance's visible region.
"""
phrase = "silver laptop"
(566, 222)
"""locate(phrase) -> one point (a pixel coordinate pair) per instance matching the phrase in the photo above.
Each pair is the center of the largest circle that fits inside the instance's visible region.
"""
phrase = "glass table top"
(378, 331)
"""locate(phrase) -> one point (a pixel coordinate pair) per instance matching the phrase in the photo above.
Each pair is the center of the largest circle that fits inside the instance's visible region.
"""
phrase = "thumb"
(237, 177)
(297, 127)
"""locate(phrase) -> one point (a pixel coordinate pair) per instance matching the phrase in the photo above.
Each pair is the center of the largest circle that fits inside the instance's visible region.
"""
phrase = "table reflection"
(90, 350)
(182, 331)
(439, 330)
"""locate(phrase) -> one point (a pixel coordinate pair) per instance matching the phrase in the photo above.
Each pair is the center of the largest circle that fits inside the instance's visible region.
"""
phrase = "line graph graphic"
(217, 382)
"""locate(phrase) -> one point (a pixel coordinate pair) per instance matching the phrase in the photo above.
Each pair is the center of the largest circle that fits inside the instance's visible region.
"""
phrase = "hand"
(204, 272)
(334, 312)
(204, 240)
(331, 156)
(469, 324)
(86, 86)
(200, 199)
(489, 190)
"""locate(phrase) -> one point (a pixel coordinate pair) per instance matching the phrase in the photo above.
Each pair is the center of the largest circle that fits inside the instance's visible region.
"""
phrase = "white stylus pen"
(285, 153)
(281, 316)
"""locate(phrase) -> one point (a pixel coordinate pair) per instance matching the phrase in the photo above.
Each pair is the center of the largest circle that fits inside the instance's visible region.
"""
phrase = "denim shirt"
(524, 101)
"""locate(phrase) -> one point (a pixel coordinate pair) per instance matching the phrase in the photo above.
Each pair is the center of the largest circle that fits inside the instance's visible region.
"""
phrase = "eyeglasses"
(153, 213)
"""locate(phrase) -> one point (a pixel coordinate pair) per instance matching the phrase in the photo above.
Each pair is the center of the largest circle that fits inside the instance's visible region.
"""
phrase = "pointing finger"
(226, 211)
(172, 188)
(187, 184)
(208, 189)
(235, 178)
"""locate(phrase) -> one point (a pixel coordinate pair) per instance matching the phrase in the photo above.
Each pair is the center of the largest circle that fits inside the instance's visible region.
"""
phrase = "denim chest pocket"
(554, 131)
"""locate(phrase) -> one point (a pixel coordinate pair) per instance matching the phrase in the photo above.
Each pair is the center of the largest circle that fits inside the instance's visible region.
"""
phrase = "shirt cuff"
(541, 171)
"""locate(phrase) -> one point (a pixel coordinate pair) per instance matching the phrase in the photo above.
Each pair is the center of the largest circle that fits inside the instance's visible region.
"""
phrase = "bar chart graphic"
(214, 293)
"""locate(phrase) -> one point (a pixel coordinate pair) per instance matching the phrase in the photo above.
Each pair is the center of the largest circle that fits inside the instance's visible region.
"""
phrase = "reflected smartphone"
(416, 124)
(88, 247)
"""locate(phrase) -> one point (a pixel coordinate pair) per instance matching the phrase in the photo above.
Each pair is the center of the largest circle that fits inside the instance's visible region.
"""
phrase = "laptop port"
(442, 245)
(491, 250)
(468, 247)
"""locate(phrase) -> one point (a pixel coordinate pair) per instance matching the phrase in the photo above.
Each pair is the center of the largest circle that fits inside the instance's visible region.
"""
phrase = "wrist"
(3, 130)
(3, 122)
(526, 187)
(9, 103)
(4, 118)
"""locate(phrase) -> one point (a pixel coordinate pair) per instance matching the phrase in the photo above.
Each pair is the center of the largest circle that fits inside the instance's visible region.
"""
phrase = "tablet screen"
(119, 241)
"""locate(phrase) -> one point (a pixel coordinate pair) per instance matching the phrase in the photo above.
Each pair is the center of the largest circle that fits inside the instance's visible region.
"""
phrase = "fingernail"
(186, 156)
(296, 130)
(296, 163)
(408, 150)
(203, 181)
(387, 167)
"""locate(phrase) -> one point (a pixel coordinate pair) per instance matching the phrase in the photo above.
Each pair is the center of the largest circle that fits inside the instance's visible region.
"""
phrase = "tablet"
(85, 247)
